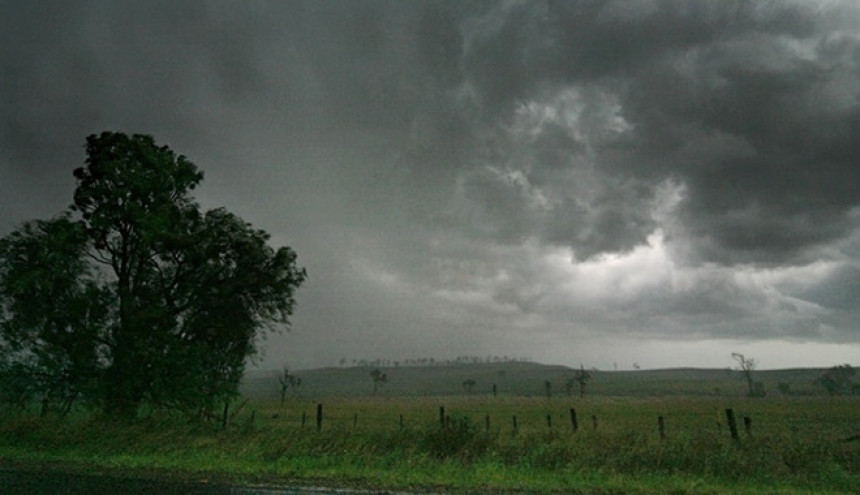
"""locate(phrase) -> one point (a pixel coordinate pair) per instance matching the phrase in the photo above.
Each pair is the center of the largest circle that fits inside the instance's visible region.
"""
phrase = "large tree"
(187, 292)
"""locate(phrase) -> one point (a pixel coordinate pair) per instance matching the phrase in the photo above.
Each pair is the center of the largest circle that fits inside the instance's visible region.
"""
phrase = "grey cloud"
(840, 290)
(765, 75)
(443, 150)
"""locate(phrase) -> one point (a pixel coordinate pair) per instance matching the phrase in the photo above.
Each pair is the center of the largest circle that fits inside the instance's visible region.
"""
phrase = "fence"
(516, 422)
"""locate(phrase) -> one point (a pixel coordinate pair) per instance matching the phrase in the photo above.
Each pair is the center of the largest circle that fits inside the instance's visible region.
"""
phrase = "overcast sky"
(576, 182)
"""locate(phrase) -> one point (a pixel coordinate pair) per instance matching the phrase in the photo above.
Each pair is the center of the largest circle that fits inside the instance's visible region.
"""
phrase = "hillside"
(527, 379)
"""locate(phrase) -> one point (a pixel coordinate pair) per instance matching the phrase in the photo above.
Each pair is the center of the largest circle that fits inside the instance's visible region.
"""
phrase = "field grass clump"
(461, 438)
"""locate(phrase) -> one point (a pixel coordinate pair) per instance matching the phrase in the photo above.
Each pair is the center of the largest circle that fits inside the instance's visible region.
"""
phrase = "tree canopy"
(135, 295)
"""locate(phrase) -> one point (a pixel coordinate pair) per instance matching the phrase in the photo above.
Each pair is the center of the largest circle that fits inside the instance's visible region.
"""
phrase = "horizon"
(395, 364)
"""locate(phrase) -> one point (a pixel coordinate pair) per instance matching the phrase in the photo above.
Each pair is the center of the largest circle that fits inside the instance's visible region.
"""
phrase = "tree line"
(134, 296)
(430, 361)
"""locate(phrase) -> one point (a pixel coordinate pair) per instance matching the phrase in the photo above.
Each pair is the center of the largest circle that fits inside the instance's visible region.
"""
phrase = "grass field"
(796, 445)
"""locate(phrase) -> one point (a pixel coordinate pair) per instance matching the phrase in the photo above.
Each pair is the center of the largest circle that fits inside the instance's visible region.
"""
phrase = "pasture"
(794, 445)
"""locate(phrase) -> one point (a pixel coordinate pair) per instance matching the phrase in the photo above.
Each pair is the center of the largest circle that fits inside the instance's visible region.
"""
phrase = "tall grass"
(796, 445)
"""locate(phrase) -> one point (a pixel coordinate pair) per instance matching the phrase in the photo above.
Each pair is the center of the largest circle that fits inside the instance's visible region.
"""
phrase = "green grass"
(797, 445)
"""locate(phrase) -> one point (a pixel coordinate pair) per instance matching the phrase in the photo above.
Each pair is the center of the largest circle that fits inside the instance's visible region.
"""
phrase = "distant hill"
(528, 379)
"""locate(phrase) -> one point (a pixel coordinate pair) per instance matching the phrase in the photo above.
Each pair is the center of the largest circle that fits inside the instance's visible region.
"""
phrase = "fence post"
(319, 417)
(748, 425)
(549, 421)
(594, 420)
(354, 420)
(487, 421)
(401, 421)
(661, 426)
(573, 419)
(515, 424)
(733, 425)
(304, 418)
(442, 416)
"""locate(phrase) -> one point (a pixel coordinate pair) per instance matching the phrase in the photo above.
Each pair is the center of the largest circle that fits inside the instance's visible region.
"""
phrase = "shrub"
(460, 438)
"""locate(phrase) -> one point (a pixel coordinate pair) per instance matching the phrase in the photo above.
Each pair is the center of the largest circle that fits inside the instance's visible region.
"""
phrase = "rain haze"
(574, 182)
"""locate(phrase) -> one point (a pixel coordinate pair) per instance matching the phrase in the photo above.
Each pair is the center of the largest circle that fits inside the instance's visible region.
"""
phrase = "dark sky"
(595, 182)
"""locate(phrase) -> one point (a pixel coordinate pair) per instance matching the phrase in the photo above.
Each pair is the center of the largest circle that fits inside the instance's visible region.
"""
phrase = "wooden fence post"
(733, 425)
(319, 417)
(442, 416)
(573, 419)
(304, 419)
(515, 424)
(354, 420)
(748, 425)
(487, 422)
(594, 420)
(661, 426)
(401, 421)
(549, 421)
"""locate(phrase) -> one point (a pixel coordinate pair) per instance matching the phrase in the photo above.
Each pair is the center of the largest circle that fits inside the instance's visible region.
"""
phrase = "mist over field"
(586, 182)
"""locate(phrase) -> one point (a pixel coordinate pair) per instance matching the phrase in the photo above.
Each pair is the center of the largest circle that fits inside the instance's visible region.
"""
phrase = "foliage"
(144, 298)
(379, 378)
(287, 381)
(460, 438)
(838, 380)
(469, 385)
(581, 377)
(54, 313)
(747, 366)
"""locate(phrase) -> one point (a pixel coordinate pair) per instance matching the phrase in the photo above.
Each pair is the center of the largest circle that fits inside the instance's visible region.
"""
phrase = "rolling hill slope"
(528, 379)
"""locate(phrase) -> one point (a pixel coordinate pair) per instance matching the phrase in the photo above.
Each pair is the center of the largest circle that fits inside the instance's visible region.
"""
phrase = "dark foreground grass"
(799, 446)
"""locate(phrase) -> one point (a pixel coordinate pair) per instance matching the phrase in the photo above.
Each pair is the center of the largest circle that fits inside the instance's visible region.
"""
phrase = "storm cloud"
(562, 180)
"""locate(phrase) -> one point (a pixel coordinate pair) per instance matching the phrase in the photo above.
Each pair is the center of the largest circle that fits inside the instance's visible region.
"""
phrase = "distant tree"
(379, 378)
(582, 378)
(747, 366)
(784, 388)
(838, 380)
(287, 381)
(469, 386)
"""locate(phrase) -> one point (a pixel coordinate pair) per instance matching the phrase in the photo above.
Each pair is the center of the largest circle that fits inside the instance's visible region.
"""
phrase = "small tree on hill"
(287, 381)
(582, 378)
(747, 366)
(838, 380)
(469, 386)
(379, 378)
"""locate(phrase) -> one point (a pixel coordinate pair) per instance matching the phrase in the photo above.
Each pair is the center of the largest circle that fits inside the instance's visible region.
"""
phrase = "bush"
(460, 438)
